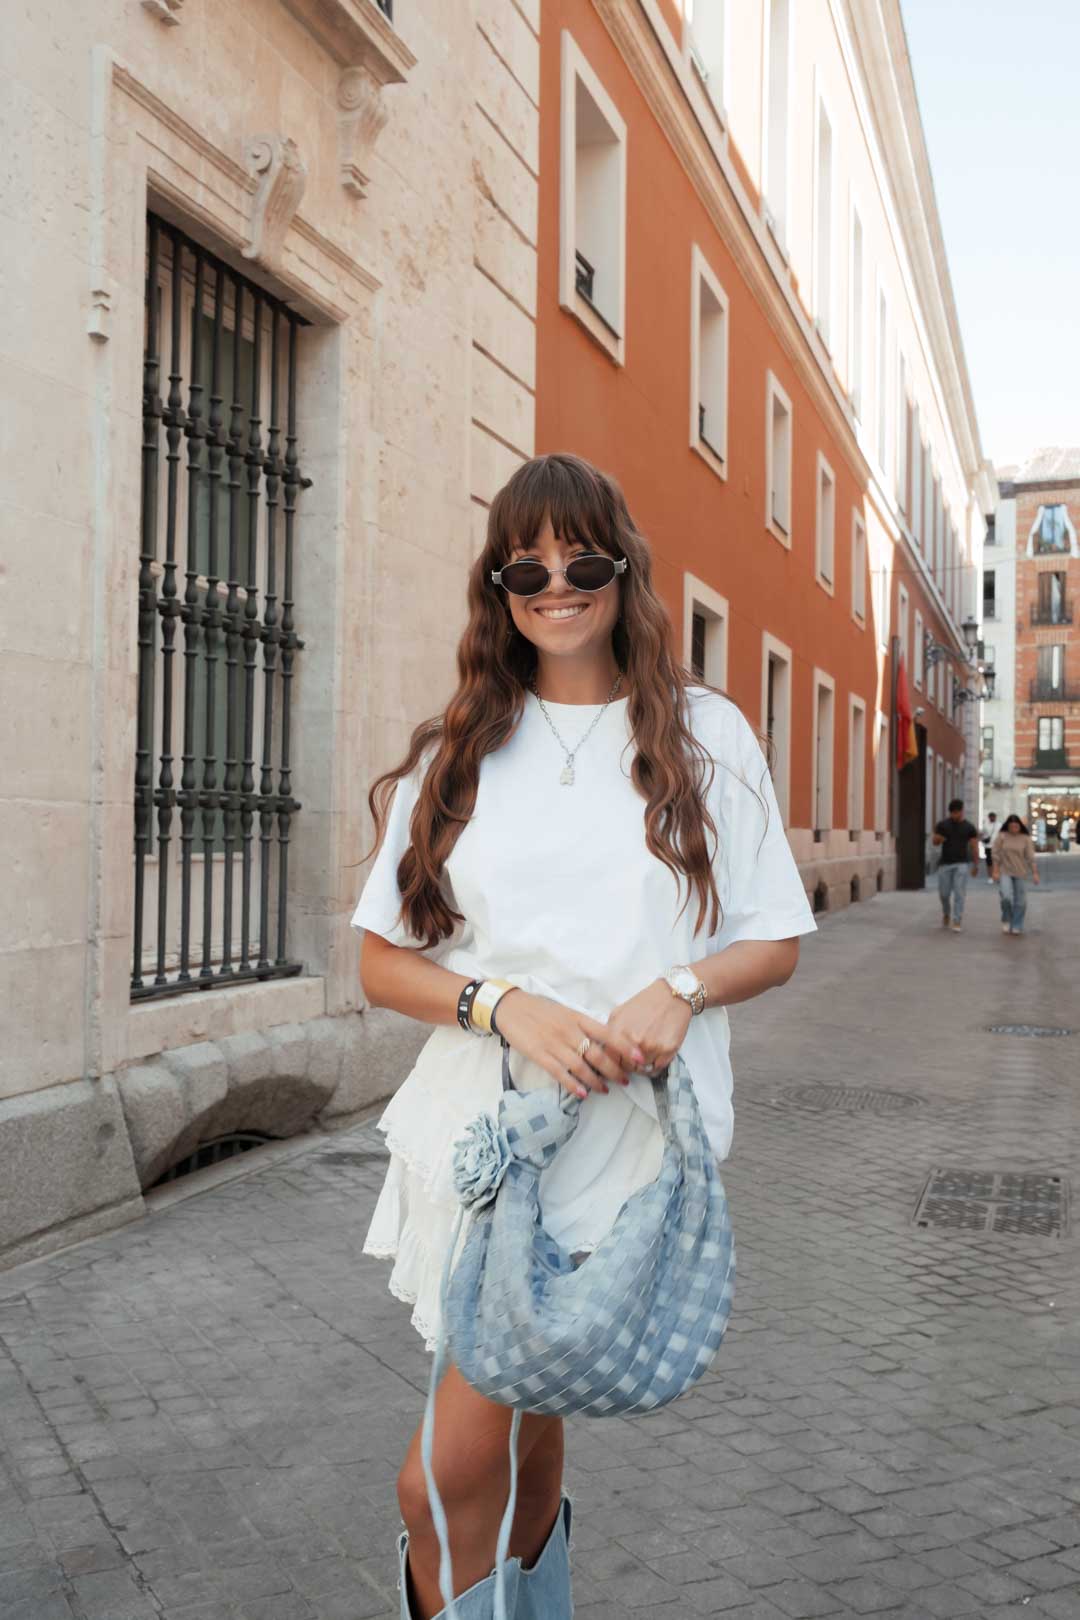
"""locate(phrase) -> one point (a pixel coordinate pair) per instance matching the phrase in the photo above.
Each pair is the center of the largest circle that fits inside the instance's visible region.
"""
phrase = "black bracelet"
(464, 1006)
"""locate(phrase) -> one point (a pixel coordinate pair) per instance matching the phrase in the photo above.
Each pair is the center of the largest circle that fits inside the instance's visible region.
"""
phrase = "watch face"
(683, 981)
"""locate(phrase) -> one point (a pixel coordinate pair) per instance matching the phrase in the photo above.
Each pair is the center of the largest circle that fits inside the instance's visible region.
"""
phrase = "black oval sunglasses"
(588, 573)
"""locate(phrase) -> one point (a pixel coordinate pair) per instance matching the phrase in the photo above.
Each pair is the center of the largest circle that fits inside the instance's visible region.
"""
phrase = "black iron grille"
(208, 909)
(215, 1152)
(1036, 1031)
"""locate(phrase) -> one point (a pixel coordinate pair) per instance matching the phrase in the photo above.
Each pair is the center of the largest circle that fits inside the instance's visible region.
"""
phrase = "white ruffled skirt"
(616, 1149)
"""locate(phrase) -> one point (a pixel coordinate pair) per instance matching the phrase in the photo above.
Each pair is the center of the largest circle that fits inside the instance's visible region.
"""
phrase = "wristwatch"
(688, 988)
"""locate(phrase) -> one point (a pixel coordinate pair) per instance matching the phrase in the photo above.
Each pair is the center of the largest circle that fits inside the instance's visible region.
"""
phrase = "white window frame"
(699, 597)
(774, 392)
(776, 206)
(703, 47)
(918, 653)
(881, 775)
(856, 311)
(930, 816)
(859, 556)
(881, 377)
(903, 624)
(609, 334)
(776, 651)
(713, 448)
(821, 681)
(823, 229)
(902, 470)
(825, 525)
(856, 808)
(881, 592)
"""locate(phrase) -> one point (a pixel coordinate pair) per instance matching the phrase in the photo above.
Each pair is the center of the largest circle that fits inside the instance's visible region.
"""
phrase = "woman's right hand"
(550, 1034)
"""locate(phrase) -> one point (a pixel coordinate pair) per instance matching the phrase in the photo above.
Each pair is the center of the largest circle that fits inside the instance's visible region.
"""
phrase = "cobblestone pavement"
(201, 1415)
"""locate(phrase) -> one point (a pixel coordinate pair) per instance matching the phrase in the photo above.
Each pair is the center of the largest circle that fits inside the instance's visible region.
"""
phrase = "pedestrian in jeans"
(959, 842)
(1068, 833)
(1014, 861)
(986, 838)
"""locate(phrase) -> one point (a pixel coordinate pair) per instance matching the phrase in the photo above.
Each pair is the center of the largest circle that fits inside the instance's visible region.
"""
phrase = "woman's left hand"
(654, 1022)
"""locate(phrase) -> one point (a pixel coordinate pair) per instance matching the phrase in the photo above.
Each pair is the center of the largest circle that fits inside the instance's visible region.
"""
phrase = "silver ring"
(583, 1049)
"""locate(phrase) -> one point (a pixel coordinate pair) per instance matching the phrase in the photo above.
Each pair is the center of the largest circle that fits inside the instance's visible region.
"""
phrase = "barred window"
(221, 479)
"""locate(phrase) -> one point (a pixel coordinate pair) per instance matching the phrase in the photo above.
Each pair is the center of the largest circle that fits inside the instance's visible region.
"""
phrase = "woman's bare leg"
(472, 1470)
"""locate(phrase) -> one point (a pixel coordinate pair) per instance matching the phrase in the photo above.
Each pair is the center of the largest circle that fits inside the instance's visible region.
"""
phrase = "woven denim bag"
(628, 1328)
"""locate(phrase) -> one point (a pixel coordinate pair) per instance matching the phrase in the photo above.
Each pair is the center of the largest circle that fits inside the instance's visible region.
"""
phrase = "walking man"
(1068, 833)
(959, 853)
(987, 836)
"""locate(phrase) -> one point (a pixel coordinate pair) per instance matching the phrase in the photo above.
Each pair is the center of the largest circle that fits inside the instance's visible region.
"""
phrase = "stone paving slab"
(202, 1415)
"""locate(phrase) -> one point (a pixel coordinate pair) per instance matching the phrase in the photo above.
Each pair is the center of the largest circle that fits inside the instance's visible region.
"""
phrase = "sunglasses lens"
(525, 578)
(590, 573)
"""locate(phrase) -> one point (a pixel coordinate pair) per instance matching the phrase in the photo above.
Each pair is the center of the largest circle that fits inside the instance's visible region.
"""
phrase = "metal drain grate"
(1025, 1203)
(854, 1099)
(1039, 1031)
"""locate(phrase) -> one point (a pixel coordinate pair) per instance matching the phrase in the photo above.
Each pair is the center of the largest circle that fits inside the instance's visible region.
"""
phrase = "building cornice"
(877, 28)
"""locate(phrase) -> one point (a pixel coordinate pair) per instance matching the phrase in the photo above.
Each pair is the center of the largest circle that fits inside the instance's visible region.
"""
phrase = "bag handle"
(659, 1085)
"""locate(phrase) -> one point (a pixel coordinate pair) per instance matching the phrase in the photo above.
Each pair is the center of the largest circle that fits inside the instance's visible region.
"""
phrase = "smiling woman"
(598, 932)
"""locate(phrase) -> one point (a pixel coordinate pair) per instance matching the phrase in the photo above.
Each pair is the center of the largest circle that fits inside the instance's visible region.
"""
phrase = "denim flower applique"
(481, 1158)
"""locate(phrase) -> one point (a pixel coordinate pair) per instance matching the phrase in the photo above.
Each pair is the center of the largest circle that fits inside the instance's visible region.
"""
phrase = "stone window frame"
(145, 154)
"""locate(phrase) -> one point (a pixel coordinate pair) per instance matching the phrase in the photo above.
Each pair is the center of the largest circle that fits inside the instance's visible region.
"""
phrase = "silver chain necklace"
(566, 777)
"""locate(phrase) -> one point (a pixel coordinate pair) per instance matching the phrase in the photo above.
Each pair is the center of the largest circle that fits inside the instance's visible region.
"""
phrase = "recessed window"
(708, 364)
(825, 550)
(903, 625)
(989, 602)
(856, 765)
(881, 774)
(776, 714)
(777, 96)
(823, 223)
(918, 652)
(1051, 733)
(592, 271)
(1051, 532)
(903, 438)
(705, 622)
(856, 337)
(706, 42)
(778, 460)
(824, 703)
(882, 362)
(858, 568)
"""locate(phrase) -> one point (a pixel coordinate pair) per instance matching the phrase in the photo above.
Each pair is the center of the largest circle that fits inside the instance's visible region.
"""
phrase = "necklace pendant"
(567, 776)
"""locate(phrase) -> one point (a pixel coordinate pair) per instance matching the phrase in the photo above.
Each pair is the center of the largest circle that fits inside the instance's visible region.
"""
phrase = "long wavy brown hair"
(496, 663)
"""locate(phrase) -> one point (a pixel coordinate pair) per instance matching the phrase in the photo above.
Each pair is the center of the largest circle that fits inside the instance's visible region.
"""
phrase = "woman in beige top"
(1014, 862)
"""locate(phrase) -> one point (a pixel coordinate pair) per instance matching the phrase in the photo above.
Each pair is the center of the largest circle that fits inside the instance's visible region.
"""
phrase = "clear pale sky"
(999, 90)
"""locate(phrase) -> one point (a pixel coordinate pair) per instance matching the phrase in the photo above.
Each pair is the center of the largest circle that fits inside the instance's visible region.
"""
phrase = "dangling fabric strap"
(427, 1446)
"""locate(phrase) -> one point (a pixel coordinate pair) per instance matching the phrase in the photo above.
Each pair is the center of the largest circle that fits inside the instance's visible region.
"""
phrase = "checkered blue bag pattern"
(628, 1328)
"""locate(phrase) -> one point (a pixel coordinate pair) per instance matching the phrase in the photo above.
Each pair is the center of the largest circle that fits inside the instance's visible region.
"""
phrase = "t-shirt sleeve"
(758, 881)
(380, 902)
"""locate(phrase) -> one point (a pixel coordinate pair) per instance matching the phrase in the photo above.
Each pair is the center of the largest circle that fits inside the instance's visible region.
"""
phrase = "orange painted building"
(796, 442)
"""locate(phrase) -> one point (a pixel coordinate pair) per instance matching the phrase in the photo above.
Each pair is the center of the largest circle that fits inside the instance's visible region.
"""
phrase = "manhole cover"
(1028, 1203)
(854, 1099)
(1039, 1031)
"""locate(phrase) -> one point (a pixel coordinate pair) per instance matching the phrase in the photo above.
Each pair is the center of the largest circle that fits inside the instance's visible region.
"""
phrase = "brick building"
(1046, 495)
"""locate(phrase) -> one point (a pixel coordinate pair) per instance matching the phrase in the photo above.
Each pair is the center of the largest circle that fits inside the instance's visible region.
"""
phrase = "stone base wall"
(835, 881)
(76, 1159)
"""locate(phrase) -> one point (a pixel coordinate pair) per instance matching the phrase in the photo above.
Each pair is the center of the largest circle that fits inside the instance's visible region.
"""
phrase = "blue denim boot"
(544, 1589)
(478, 1603)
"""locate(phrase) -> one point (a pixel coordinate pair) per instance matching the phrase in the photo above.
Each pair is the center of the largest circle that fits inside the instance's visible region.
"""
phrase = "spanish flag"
(907, 747)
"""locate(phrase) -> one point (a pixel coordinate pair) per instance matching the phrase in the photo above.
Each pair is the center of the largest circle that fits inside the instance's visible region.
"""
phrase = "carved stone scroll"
(167, 11)
(282, 175)
(362, 116)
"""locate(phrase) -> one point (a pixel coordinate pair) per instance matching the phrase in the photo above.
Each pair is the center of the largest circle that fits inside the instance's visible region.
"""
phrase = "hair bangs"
(560, 490)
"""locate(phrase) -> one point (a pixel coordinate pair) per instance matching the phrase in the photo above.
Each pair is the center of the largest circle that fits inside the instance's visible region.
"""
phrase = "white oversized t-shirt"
(560, 895)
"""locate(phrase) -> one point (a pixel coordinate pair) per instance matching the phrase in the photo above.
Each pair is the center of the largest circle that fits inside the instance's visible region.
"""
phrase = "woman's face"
(560, 621)
(1012, 826)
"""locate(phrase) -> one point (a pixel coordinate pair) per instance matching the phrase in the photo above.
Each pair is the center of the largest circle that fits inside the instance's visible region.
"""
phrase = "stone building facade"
(269, 349)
